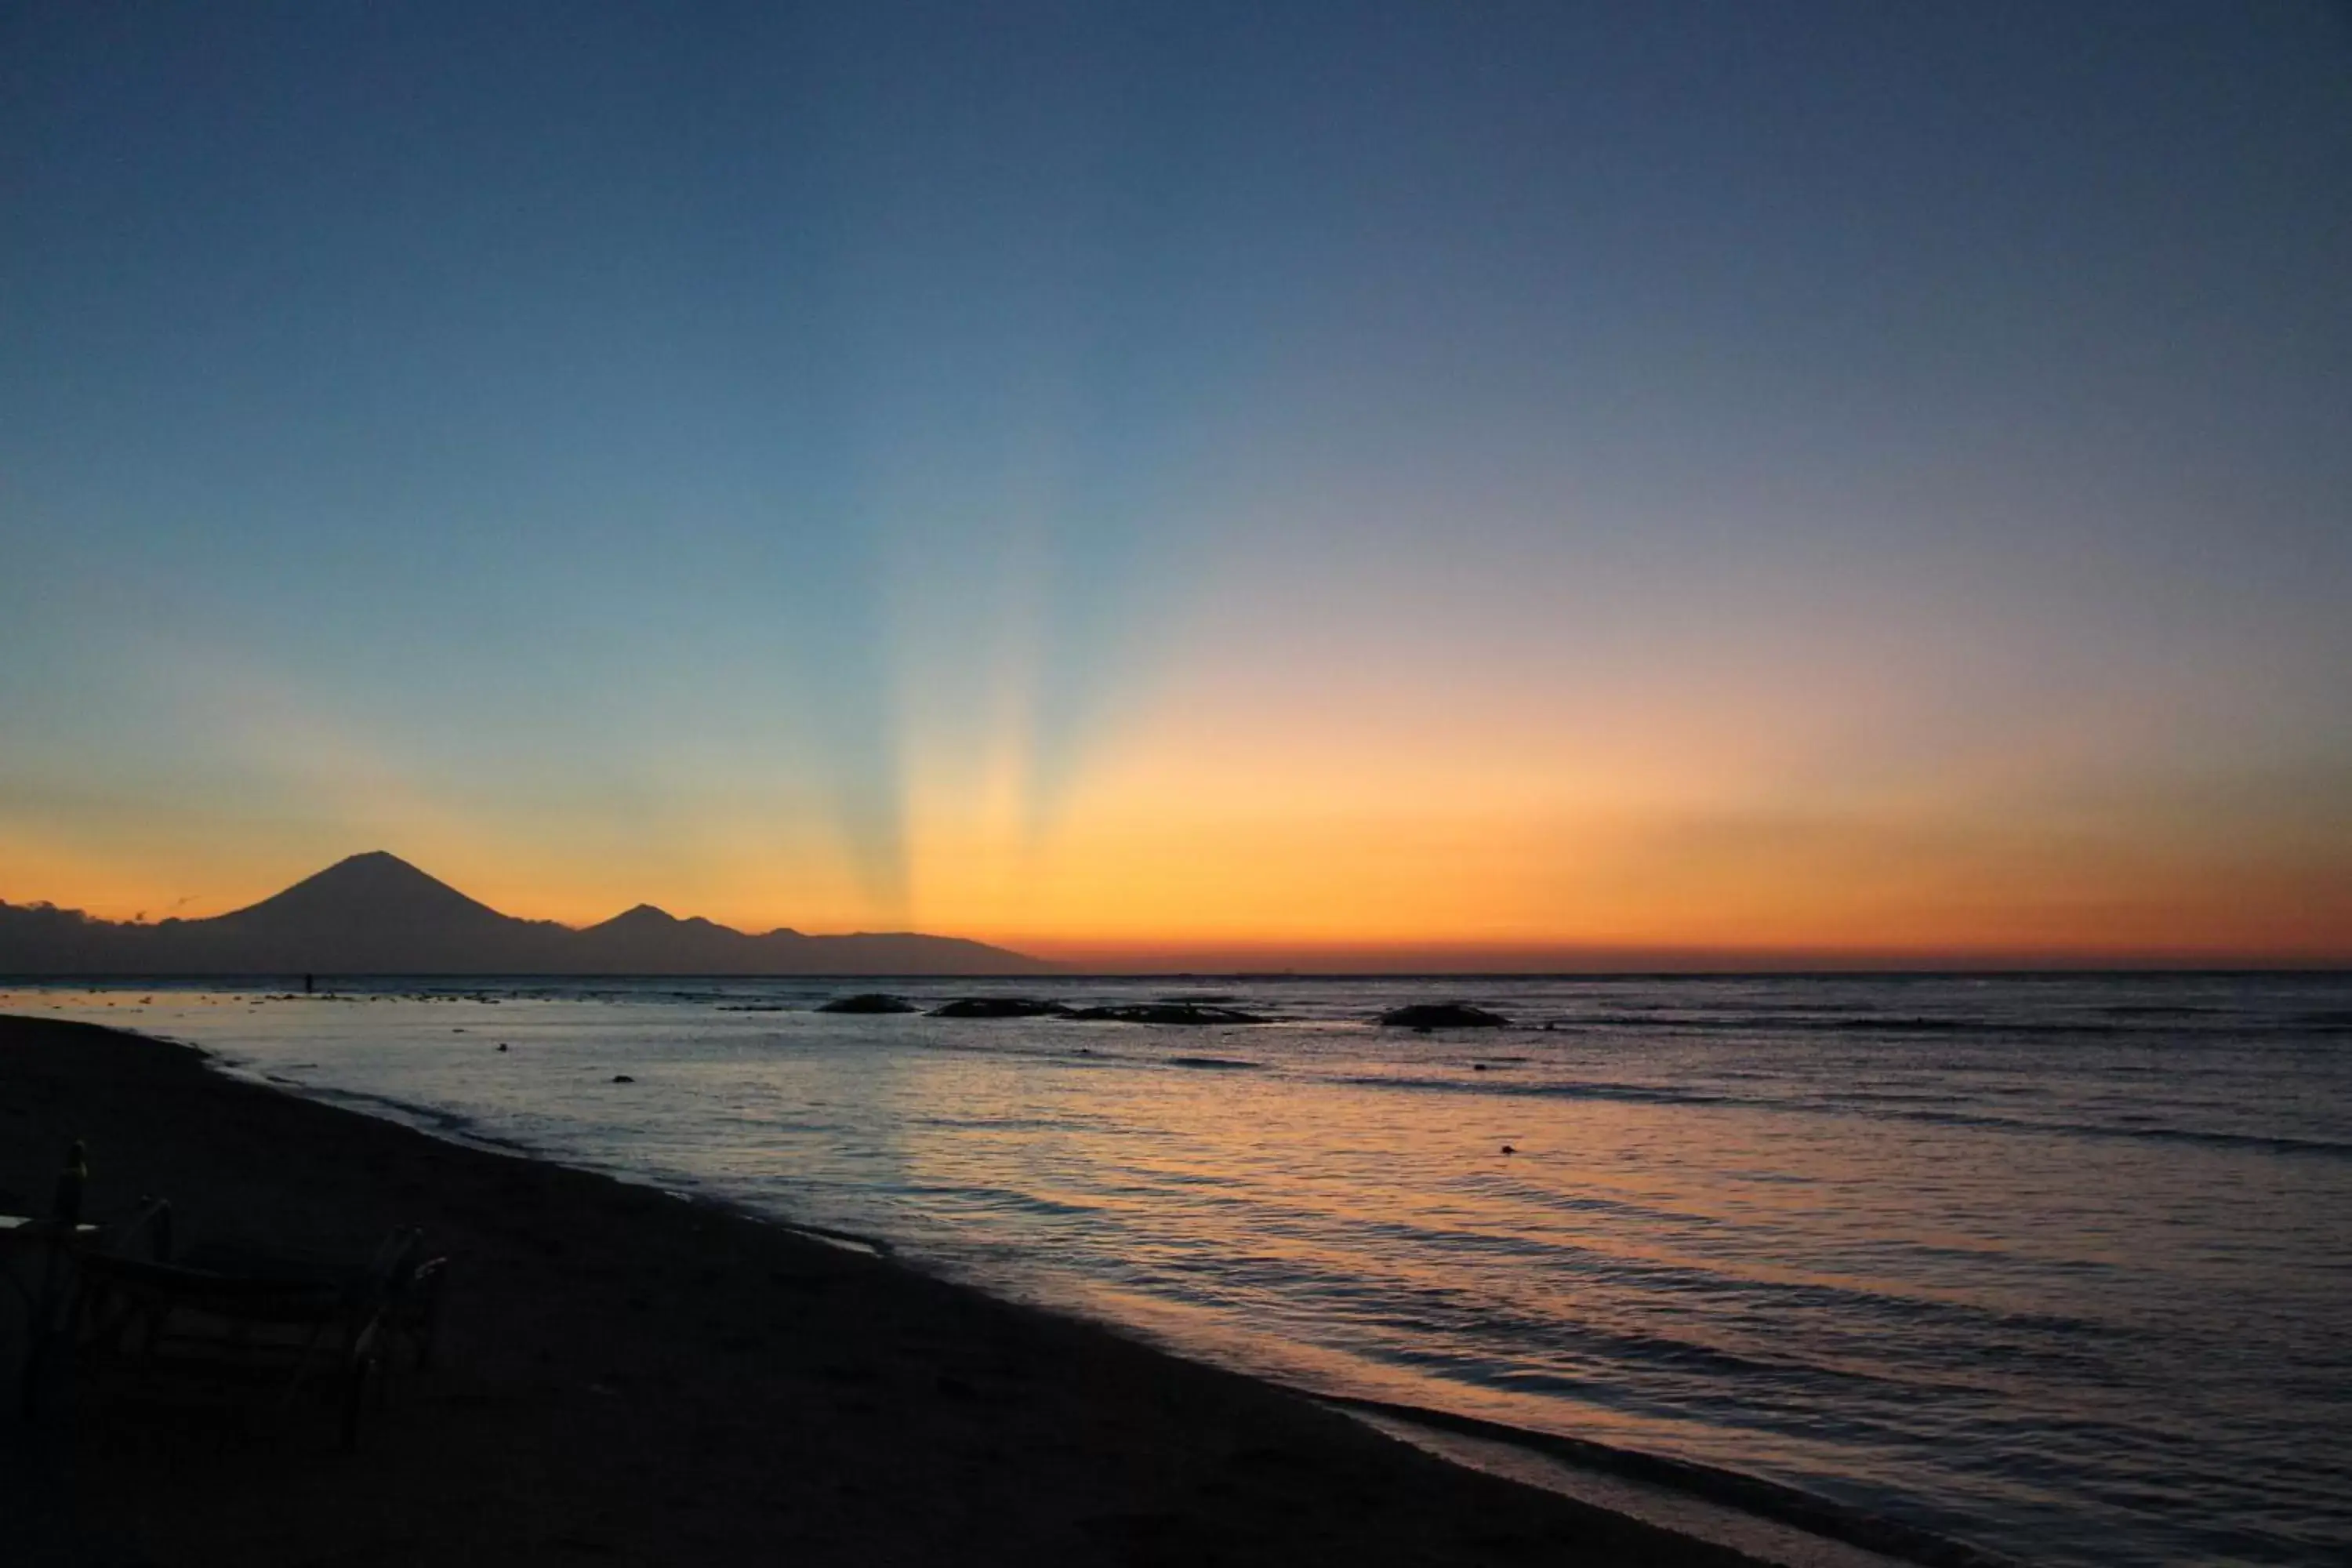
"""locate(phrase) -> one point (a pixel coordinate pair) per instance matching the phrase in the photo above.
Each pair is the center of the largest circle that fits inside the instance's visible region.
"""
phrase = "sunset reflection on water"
(1997, 1267)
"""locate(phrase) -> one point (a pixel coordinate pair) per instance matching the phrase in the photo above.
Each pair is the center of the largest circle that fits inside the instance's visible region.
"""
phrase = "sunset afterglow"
(1452, 485)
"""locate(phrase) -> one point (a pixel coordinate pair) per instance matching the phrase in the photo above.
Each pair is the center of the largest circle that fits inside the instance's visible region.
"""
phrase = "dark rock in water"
(622, 1078)
(1443, 1015)
(868, 1001)
(1000, 1007)
(1166, 1012)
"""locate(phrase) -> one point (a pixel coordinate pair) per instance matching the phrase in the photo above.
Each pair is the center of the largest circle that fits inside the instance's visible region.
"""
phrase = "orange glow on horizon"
(1159, 870)
(1387, 823)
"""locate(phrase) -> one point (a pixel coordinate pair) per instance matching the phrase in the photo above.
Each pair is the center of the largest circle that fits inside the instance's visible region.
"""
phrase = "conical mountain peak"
(377, 889)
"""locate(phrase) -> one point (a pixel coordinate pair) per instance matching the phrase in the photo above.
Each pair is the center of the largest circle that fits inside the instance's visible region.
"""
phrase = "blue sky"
(722, 445)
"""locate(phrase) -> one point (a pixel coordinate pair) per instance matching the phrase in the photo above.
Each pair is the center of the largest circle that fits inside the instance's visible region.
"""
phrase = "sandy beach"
(631, 1378)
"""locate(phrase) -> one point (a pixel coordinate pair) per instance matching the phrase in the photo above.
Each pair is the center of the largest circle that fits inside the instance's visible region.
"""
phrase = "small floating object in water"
(502, 1045)
(622, 1078)
(1508, 1150)
(1474, 1066)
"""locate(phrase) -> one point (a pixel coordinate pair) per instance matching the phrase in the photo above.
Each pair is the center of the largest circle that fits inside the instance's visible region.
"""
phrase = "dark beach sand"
(633, 1379)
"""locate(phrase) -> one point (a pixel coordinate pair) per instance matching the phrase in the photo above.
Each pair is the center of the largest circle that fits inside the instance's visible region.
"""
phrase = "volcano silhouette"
(377, 914)
(373, 895)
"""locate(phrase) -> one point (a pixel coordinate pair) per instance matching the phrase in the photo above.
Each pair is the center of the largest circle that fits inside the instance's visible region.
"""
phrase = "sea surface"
(2057, 1265)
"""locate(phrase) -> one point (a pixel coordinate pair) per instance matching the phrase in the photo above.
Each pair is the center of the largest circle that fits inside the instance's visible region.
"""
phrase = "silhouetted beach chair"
(225, 1321)
(39, 1259)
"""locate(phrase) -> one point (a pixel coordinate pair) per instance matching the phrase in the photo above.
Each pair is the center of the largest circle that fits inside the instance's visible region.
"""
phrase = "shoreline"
(1659, 1510)
(1775, 1523)
(631, 1378)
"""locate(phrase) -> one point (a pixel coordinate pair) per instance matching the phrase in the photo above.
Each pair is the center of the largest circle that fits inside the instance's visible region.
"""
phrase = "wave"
(1510, 1090)
(2135, 1021)
(1750, 1494)
(2271, 1144)
(1658, 1094)
(1841, 1024)
(453, 1125)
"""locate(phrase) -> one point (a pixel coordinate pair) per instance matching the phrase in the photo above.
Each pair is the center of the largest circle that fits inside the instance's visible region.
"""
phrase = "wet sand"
(628, 1378)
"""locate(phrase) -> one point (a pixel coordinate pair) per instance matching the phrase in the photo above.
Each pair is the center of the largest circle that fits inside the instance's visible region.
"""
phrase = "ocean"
(2059, 1266)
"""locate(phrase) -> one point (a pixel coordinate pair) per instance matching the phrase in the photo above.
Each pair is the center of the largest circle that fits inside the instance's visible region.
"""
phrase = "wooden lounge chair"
(221, 1321)
(47, 1253)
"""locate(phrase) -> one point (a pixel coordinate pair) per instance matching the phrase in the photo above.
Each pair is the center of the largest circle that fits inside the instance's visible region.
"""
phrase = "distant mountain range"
(377, 914)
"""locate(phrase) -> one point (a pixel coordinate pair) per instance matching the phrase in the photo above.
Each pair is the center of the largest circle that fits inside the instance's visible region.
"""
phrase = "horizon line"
(1408, 956)
(1926, 971)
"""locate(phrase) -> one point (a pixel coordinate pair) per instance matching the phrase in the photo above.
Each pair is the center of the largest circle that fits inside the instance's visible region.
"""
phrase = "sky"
(1163, 484)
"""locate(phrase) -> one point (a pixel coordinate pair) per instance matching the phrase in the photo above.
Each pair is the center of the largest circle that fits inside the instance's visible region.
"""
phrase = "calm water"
(2059, 1266)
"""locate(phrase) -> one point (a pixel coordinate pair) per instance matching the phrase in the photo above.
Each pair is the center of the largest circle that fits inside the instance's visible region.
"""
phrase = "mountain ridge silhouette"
(374, 913)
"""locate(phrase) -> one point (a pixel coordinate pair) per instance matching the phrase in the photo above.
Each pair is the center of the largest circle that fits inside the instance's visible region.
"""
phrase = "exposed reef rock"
(1000, 1007)
(1443, 1015)
(868, 1001)
(1167, 1013)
